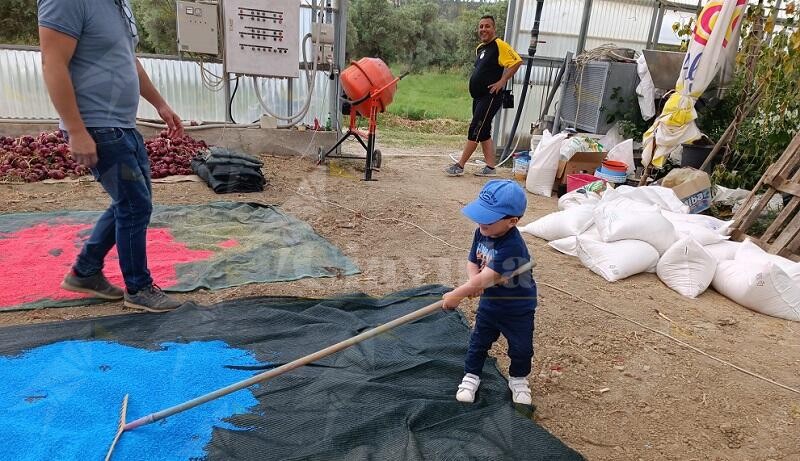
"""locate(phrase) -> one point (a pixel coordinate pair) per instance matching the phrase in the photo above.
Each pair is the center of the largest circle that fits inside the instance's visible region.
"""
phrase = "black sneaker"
(151, 299)
(97, 285)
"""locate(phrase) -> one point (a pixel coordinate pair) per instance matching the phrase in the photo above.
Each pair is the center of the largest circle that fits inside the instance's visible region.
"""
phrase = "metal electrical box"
(262, 37)
(198, 27)
(595, 92)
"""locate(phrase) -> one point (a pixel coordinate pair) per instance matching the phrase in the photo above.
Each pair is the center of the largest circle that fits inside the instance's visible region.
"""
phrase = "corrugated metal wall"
(23, 93)
(623, 22)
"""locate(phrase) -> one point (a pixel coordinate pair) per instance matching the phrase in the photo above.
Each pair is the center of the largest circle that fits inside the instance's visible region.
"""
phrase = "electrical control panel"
(198, 27)
(262, 37)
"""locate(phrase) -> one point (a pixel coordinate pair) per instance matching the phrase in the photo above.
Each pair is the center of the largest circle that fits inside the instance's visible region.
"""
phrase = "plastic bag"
(623, 152)
(544, 165)
(578, 144)
(678, 176)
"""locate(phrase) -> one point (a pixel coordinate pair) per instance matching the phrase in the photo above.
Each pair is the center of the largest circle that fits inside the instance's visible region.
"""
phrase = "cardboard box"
(695, 193)
(581, 162)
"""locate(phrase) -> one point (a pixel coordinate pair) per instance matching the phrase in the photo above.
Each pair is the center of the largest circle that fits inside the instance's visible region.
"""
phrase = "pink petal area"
(228, 244)
(34, 260)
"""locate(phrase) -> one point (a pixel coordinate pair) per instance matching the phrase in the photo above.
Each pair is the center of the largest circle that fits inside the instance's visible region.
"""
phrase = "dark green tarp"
(217, 245)
(391, 397)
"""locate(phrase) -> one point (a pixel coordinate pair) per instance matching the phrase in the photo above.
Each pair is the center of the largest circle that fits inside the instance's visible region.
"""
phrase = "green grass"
(432, 95)
(397, 131)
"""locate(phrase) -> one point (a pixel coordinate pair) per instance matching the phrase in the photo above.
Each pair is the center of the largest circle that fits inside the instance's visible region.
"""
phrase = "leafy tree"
(764, 135)
(157, 21)
(374, 28)
(19, 22)
(467, 31)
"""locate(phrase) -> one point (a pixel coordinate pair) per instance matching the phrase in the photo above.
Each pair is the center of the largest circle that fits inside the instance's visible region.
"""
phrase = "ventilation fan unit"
(595, 93)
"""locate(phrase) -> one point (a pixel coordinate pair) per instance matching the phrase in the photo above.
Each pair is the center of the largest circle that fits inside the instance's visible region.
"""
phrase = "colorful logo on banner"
(708, 18)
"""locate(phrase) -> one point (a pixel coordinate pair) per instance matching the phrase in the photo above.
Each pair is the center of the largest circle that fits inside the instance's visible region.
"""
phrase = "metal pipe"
(226, 88)
(653, 19)
(587, 16)
(531, 53)
(340, 47)
(657, 30)
(511, 15)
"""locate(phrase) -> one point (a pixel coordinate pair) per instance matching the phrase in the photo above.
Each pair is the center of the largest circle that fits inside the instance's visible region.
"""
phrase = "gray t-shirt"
(103, 68)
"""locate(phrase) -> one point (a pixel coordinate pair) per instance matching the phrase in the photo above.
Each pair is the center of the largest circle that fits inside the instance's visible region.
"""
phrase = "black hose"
(230, 104)
(531, 54)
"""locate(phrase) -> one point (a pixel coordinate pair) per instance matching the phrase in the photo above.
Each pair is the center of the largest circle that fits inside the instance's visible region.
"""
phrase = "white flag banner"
(714, 40)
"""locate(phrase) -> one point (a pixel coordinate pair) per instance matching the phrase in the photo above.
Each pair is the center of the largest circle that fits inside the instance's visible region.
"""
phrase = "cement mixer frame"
(373, 157)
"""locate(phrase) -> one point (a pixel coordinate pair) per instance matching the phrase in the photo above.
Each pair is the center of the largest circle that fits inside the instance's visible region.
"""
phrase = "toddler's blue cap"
(498, 198)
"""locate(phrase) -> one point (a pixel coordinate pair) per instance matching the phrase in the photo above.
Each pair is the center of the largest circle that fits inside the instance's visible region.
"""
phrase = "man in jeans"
(94, 80)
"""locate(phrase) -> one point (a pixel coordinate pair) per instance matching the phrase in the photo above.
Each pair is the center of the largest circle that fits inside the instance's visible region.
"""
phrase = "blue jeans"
(518, 330)
(123, 170)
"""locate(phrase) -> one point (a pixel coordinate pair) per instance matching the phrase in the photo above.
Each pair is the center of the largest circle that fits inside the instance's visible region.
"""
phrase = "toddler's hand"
(450, 302)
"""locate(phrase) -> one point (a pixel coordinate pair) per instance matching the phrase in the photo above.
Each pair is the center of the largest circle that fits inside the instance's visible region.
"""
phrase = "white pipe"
(310, 77)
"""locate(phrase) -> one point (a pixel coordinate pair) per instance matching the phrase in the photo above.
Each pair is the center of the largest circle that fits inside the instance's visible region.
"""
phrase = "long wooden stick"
(427, 310)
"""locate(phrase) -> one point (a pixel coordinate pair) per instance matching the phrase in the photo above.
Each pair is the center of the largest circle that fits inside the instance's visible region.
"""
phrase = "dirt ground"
(607, 387)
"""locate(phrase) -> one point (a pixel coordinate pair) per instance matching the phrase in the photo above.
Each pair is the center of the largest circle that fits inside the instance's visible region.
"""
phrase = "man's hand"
(83, 148)
(450, 301)
(172, 120)
(497, 87)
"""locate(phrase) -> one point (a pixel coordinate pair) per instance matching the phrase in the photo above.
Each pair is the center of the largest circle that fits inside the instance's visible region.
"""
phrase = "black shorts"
(484, 109)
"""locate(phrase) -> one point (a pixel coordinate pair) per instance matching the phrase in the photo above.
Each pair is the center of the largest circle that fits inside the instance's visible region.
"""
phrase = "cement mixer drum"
(365, 76)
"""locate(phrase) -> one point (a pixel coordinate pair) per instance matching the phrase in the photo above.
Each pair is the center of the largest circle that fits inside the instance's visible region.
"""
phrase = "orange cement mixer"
(369, 87)
(365, 77)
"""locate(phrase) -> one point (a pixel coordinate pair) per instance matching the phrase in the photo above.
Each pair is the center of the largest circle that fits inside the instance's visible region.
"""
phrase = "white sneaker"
(467, 388)
(520, 390)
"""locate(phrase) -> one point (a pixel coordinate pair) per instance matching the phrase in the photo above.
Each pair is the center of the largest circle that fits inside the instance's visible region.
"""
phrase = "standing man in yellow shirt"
(495, 64)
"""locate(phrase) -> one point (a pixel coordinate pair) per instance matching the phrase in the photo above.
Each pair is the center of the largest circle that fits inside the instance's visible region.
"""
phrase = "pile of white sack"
(629, 230)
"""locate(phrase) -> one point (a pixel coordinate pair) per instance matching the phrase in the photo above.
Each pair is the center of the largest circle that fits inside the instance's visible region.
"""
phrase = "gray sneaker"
(97, 285)
(454, 170)
(151, 299)
(486, 171)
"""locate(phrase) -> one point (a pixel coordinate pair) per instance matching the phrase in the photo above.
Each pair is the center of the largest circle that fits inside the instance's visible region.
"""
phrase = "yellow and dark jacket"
(490, 61)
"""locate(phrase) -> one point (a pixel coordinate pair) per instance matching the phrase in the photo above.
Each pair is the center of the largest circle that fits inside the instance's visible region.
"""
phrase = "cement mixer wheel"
(377, 158)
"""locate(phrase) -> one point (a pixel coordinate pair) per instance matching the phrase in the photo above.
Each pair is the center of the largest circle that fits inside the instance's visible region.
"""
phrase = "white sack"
(569, 245)
(623, 152)
(544, 164)
(664, 197)
(687, 268)
(571, 199)
(709, 222)
(617, 260)
(762, 287)
(561, 223)
(749, 251)
(622, 223)
(724, 250)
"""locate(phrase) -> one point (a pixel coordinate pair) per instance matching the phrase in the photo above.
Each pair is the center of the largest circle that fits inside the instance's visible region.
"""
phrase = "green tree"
(375, 31)
(467, 31)
(766, 133)
(416, 22)
(157, 23)
(18, 22)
